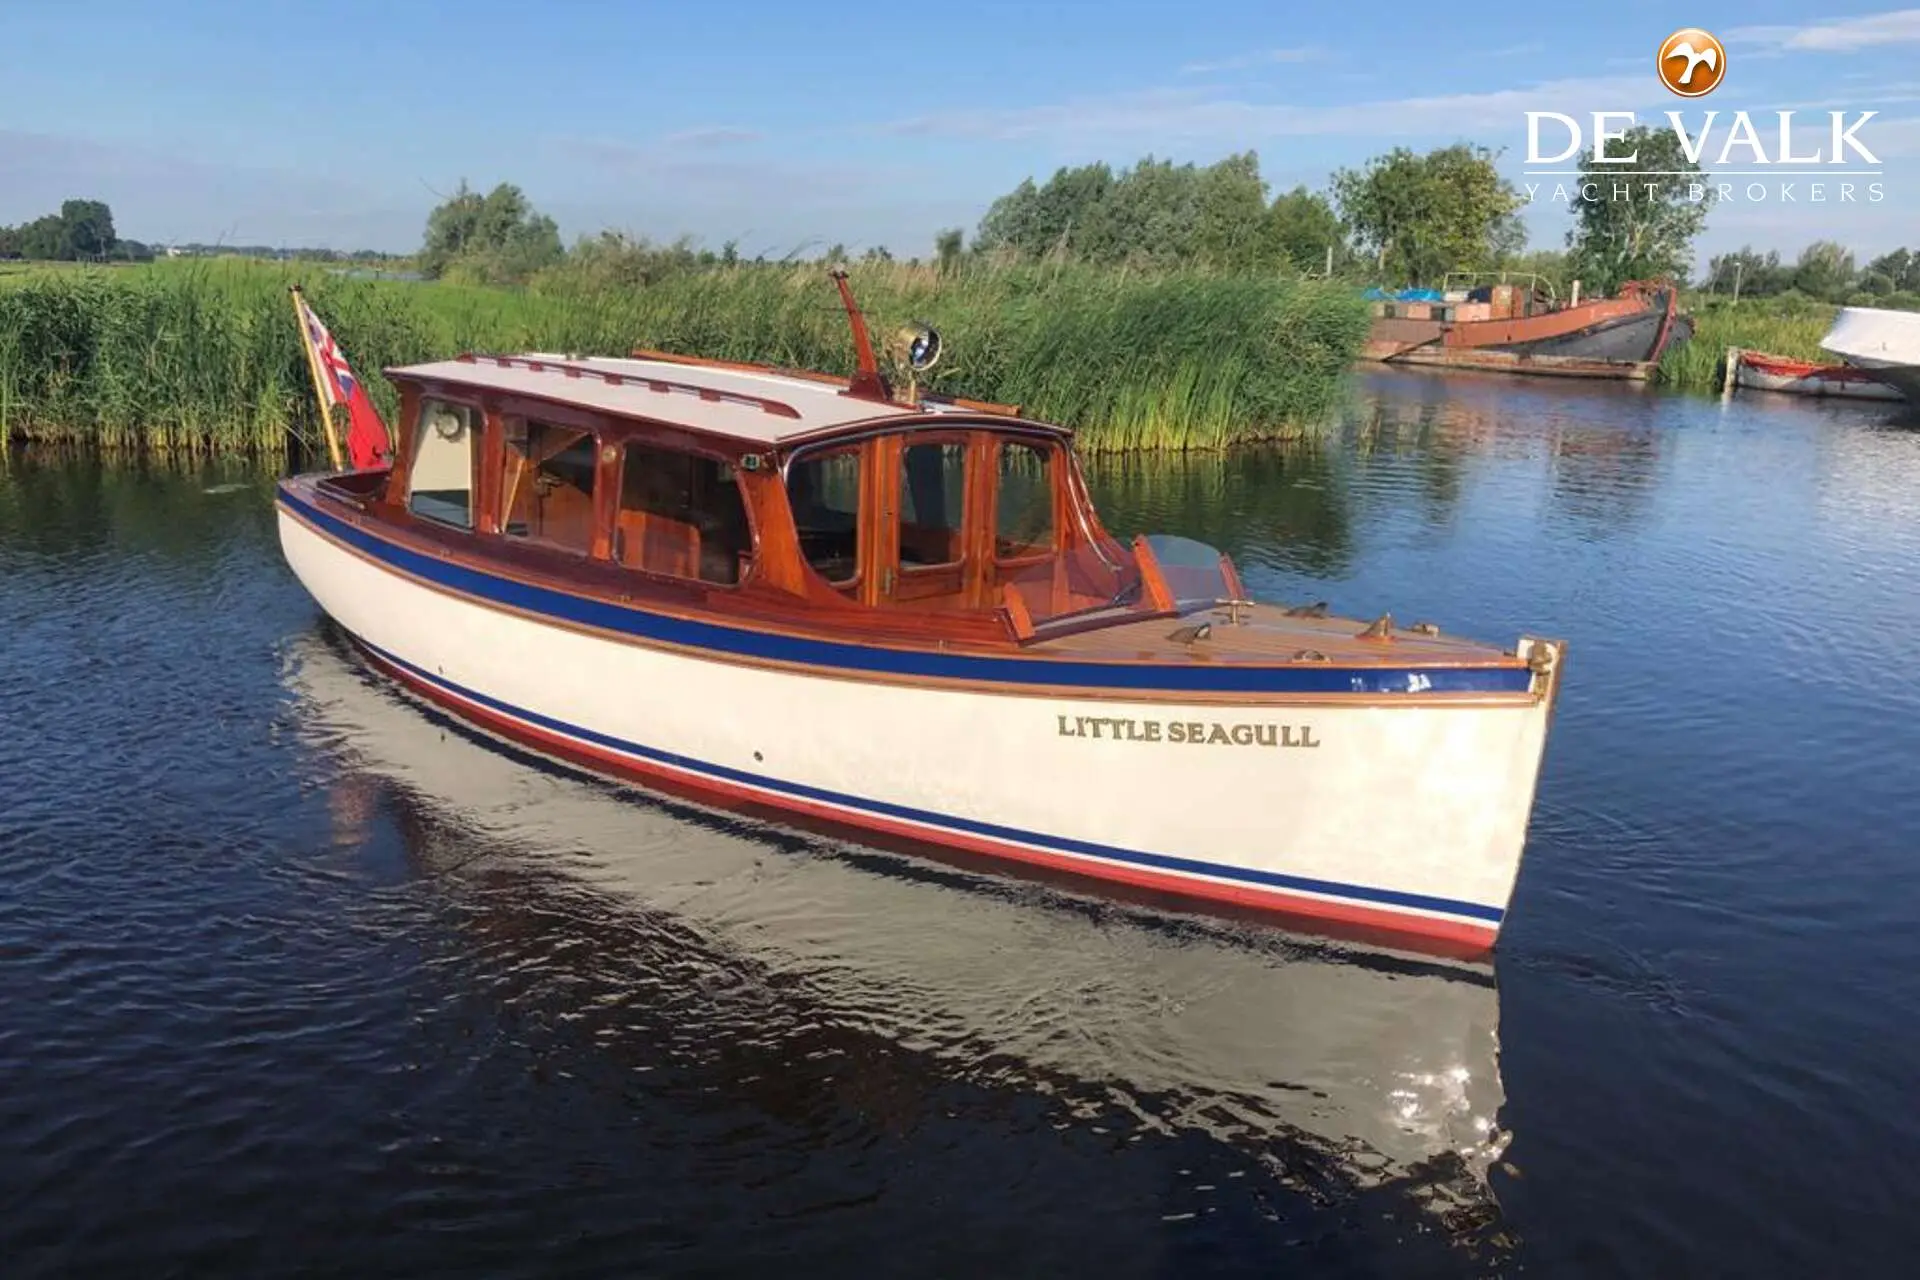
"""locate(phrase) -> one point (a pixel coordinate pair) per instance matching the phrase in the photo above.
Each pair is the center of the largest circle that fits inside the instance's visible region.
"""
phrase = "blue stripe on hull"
(1167, 863)
(847, 659)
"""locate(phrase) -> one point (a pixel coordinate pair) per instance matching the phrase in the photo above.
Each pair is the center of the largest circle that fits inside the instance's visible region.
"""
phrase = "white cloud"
(1169, 114)
(1263, 58)
(710, 136)
(1843, 35)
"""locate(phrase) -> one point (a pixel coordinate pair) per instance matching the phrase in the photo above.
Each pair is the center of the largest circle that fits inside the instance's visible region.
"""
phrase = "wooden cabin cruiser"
(900, 616)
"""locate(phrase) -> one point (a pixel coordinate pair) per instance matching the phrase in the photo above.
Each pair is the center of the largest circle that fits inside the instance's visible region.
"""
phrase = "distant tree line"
(81, 232)
(1825, 271)
(1402, 218)
(281, 253)
(1161, 214)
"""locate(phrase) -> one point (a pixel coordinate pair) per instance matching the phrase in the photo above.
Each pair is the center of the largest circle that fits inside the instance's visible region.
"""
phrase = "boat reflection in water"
(1364, 1068)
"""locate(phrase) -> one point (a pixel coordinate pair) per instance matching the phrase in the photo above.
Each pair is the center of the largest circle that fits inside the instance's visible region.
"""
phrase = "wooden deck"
(1267, 634)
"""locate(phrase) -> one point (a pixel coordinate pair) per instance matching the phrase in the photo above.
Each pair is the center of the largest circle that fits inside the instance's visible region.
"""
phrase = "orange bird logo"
(1692, 62)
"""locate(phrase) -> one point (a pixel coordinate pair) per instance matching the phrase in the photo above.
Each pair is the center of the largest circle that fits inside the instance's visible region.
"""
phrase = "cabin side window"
(681, 514)
(546, 484)
(1023, 501)
(440, 480)
(932, 503)
(823, 490)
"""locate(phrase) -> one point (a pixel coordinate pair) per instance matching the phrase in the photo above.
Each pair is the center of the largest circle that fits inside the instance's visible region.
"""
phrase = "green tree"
(1752, 273)
(1148, 217)
(43, 239)
(1230, 215)
(1423, 216)
(1299, 227)
(1630, 227)
(1894, 272)
(948, 247)
(86, 229)
(1824, 271)
(1031, 221)
(498, 237)
(1552, 265)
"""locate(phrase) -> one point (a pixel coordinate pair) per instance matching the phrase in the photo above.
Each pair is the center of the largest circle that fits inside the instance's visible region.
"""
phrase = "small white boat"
(1757, 371)
(901, 616)
(1882, 343)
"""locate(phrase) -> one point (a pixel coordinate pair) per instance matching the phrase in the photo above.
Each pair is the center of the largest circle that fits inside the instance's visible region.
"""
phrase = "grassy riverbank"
(1777, 326)
(204, 356)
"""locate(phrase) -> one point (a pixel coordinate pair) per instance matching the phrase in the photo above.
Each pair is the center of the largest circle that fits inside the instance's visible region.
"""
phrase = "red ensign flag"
(368, 443)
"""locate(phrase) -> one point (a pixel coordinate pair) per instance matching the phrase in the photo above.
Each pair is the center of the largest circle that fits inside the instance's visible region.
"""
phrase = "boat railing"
(1469, 280)
(652, 382)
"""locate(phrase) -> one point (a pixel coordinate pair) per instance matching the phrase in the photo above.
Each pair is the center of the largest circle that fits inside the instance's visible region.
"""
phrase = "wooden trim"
(607, 479)
(1153, 582)
(878, 519)
(1232, 576)
(493, 447)
(823, 614)
(1242, 699)
(972, 406)
(1018, 617)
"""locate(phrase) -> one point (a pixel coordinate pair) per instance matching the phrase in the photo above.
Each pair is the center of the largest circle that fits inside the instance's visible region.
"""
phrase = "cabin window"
(933, 494)
(823, 490)
(440, 481)
(546, 484)
(681, 514)
(1023, 505)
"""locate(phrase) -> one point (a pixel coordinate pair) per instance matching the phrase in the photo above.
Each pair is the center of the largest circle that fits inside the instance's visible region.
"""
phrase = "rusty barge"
(1527, 329)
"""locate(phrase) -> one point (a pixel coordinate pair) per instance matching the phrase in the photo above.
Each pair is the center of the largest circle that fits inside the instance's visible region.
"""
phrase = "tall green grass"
(205, 356)
(1777, 326)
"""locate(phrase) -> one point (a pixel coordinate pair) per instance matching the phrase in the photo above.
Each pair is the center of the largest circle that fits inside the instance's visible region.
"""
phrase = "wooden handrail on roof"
(938, 399)
(766, 404)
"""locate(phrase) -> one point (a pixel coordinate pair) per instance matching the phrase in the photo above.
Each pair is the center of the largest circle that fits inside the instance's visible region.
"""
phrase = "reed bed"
(1777, 326)
(204, 357)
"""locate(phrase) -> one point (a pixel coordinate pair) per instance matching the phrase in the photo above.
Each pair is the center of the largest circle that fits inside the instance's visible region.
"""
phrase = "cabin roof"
(759, 408)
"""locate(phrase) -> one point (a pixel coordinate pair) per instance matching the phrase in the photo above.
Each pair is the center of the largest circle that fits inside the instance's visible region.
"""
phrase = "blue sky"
(794, 125)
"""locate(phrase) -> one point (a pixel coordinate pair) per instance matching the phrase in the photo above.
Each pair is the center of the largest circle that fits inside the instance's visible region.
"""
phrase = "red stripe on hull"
(1343, 919)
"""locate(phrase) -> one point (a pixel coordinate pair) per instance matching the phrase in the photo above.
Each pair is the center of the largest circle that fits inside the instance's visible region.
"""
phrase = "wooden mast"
(867, 382)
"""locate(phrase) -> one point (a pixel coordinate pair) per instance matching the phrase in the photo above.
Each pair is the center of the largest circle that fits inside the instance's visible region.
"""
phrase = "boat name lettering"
(1207, 733)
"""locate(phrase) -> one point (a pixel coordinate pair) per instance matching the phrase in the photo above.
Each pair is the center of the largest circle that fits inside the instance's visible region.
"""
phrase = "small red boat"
(1757, 371)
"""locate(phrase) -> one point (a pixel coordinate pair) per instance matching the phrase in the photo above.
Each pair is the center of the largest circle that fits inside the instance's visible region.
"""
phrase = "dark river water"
(297, 978)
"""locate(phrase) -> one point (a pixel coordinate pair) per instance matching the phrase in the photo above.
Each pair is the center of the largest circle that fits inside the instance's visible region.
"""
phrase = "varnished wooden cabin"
(748, 493)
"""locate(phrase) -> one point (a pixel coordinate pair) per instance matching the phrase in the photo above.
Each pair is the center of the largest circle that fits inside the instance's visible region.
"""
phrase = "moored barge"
(1508, 328)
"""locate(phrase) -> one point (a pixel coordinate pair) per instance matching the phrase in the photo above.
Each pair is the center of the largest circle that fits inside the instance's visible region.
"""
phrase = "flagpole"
(313, 371)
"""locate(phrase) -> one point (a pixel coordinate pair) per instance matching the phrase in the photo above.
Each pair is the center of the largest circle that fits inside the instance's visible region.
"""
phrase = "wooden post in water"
(313, 371)
(1733, 368)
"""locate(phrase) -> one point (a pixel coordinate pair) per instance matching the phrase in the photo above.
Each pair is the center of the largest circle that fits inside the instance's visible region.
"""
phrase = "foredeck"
(1268, 634)
(757, 408)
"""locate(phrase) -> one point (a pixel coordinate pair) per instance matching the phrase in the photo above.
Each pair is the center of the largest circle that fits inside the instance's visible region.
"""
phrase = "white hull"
(1885, 343)
(1408, 815)
(1376, 1066)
